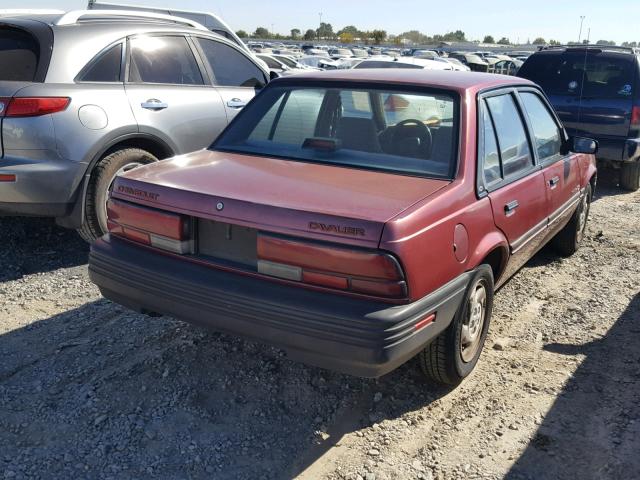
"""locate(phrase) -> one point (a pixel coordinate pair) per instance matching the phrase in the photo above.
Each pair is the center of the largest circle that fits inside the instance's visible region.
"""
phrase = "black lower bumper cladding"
(349, 335)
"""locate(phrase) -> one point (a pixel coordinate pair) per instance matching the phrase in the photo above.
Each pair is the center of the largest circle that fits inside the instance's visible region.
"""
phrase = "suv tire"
(102, 177)
(446, 359)
(630, 176)
(567, 241)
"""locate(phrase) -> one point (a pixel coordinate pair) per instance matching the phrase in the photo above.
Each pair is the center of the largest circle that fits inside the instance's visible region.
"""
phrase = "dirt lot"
(90, 390)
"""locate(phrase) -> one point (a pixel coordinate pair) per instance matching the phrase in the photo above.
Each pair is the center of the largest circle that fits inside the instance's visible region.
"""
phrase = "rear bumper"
(353, 336)
(43, 186)
(619, 150)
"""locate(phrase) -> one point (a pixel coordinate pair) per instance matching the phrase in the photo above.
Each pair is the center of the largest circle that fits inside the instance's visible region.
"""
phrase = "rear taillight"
(350, 269)
(32, 106)
(635, 116)
(149, 226)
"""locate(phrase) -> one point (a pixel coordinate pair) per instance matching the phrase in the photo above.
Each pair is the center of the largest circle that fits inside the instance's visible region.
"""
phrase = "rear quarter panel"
(423, 236)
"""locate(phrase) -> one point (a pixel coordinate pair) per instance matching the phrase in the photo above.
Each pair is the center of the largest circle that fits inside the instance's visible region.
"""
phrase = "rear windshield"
(19, 53)
(580, 74)
(391, 130)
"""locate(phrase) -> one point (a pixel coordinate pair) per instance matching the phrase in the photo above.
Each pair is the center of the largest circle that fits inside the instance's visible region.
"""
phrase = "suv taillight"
(342, 268)
(635, 116)
(149, 226)
(32, 106)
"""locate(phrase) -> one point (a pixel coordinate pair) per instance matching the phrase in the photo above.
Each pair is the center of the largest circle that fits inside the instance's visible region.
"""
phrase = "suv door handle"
(236, 103)
(554, 181)
(509, 208)
(154, 104)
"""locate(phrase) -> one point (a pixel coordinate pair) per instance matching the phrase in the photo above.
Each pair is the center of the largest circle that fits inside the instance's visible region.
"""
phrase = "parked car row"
(356, 218)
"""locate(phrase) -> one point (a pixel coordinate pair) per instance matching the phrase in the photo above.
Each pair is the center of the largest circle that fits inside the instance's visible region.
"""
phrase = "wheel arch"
(492, 250)
(150, 143)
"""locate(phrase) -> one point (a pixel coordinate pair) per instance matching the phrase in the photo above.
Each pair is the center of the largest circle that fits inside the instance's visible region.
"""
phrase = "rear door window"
(590, 74)
(105, 68)
(19, 54)
(512, 138)
(490, 157)
(230, 67)
(164, 60)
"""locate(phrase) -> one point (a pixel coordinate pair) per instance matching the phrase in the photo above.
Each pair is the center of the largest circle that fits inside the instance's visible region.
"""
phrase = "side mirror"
(583, 145)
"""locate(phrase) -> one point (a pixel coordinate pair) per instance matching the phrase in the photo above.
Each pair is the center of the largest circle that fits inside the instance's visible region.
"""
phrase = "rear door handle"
(236, 103)
(553, 182)
(154, 104)
(509, 208)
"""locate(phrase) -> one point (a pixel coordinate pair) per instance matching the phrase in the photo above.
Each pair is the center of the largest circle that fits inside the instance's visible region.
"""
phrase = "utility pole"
(580, 34)
(319, 26)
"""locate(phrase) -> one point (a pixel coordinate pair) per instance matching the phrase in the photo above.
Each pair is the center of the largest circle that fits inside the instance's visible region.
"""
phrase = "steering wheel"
(412, 127)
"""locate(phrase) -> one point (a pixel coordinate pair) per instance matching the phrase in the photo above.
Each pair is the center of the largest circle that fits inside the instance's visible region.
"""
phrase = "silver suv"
(88, 94)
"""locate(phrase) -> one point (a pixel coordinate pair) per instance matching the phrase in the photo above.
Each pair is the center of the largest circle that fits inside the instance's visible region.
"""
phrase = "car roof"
(442, 79)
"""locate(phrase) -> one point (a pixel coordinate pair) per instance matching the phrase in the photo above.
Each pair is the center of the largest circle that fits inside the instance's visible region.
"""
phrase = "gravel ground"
(91, 390)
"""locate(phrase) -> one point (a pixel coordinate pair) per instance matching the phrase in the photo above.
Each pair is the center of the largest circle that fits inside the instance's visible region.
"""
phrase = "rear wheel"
(454, 353)
(630, 176)
(102, 178)
(568, 240)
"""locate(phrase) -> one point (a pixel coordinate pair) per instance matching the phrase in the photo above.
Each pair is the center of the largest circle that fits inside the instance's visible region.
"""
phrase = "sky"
(551, 19)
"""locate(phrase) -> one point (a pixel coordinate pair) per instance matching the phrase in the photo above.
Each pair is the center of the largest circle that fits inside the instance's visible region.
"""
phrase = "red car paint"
(436, 228)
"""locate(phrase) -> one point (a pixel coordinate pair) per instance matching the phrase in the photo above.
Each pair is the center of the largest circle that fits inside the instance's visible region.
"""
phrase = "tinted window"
(490, 157)
(166, 60)
(512, 137)
(106, 68)
(271, 63)
(345, 127)
(18, 55)
(230, 67)
(593, 74)
(545, 130)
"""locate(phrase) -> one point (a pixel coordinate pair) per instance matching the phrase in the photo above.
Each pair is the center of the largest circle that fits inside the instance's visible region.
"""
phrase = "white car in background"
(277, 66)
(404, 62)
(318, 61)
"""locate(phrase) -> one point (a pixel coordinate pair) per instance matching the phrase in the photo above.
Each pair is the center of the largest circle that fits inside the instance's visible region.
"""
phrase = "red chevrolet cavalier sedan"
(356, 219)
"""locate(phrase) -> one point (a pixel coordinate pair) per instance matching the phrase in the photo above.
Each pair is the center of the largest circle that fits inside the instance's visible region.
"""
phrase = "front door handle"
(553, 182)
(236, 103)
(154, 104)
(510, 208)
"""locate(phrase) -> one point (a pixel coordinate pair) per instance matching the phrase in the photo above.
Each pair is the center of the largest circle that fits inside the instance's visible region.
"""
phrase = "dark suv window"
(166, 60)
(512, 138)
(18, 55)
(230, 67)
(106, 68)
(590, 74)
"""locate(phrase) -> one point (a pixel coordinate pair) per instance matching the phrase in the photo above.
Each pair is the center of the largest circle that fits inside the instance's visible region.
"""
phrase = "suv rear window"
(578, 73)
(19, 54)
(392, 130)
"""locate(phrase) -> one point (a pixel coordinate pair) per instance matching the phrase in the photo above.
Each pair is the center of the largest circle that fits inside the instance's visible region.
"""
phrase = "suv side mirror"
(581, 145)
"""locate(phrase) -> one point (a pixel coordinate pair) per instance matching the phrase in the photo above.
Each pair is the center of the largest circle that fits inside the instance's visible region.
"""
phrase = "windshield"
(393, 130)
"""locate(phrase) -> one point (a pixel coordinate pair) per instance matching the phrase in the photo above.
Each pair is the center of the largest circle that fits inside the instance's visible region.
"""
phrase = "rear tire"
(630, 176)
(452, 356)
(102, 177)
(568, 240)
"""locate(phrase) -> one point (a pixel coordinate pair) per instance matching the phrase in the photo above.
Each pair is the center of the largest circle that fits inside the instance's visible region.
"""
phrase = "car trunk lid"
(294, 198)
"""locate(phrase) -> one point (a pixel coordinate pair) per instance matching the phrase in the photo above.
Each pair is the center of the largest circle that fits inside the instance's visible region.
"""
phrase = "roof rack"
(590, 47)
(73, 17)
(5, 12)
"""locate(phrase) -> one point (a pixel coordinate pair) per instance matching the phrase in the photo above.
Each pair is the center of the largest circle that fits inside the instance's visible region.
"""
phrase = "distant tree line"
(352, 34)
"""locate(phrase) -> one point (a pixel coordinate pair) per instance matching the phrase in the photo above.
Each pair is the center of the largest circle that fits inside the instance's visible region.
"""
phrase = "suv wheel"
(568, 240)
(102, 177)
(454, 353)
(630, 176)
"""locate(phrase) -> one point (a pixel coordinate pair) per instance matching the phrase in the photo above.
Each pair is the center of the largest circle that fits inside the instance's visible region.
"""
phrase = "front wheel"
(568, 240)
(454, 353)
(102, 178)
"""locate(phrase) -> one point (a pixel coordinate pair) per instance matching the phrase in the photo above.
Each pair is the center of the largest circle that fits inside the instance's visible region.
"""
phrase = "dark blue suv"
(595, 92)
